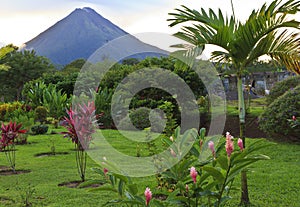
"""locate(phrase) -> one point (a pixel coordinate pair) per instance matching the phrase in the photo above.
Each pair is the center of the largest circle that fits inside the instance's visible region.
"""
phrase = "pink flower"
(193, 173)
(294, 118)
(105, 170)
(148, 195)
(186, 188)
(240, 144)
(172, 153)
(229, 144)
(211, 146)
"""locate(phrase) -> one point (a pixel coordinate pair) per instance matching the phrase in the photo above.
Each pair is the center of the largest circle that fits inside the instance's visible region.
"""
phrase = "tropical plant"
(80, 127)
(203, 178)
(55, 101)
(265, 32)
(9, 133)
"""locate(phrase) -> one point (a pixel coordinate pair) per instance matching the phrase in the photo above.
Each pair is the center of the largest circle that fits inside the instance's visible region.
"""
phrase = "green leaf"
(133, 189)
(215, 173)
(223, 162)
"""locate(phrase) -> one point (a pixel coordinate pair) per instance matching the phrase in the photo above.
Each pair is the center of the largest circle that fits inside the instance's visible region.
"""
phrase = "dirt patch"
(76, 184)
(232, 126)
(46, 154)
(5, 171)
(252, 129)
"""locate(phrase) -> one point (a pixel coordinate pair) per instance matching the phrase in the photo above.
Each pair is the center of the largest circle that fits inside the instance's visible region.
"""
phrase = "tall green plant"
(55, 101)
(265, 32)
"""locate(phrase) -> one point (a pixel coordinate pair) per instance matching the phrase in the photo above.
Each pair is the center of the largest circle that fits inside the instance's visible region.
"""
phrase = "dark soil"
(252, 129)
(46, 154)
(5, 170)
(232, 126)
(76, 183)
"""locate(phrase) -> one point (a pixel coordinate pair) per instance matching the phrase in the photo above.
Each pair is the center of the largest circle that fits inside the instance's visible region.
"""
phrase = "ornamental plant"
(204, 177)
(80, 127)
(9, 134)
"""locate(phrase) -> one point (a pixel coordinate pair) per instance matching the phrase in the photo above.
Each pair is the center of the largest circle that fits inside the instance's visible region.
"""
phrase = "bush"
(143, 118)
(6, 109)
(41, 114)
(281, 87)
(140, 118)
(275, 119)
(39, 129)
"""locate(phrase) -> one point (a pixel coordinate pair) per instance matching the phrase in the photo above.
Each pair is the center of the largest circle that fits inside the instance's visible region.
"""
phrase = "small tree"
(265, 32)
(80, 127)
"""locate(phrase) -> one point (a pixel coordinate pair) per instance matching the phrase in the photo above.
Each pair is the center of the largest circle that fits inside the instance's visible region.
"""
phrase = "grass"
(271, 183)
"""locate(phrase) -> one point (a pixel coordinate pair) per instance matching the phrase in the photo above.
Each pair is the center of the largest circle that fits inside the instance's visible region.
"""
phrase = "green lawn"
(275, 182)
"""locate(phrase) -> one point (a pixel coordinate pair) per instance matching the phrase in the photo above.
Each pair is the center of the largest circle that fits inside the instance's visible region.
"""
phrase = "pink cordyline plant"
(7, 143)
(80, 127)
(193, 174)
(10, 133)
(148, 195)
(240, 144)
(229, 144)
(80, 124)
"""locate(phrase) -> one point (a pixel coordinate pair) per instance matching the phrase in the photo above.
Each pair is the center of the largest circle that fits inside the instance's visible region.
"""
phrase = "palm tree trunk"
(244, 186)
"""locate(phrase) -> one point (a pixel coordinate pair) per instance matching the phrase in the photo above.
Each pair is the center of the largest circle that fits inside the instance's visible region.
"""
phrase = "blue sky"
(22, 20)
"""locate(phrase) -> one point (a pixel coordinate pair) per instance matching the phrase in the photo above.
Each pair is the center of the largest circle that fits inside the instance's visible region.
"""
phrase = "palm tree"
(268, 31)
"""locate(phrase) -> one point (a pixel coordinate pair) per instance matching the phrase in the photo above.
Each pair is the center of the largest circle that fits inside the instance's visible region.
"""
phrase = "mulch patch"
(46, 154)
(76, 183)
(5, 170)
(232, 126)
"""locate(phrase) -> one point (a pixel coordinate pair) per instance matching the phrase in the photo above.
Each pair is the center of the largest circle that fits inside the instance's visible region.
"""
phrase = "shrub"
(140, 118)
(274, 120)
(39, 129)
(41, 113)
(281, 87)
(6, 109)
(149, 118)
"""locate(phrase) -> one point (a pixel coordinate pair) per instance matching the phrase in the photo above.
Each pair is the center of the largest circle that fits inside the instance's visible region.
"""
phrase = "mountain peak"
(76, 36)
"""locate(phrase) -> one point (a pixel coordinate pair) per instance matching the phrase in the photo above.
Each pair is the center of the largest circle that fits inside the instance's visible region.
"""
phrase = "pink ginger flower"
(105, 170)
(211, 146)
(294, 118)
(148, 195)
(229, 144)
(193, 174)
(187, 188)
(172, 153)
(240, 144)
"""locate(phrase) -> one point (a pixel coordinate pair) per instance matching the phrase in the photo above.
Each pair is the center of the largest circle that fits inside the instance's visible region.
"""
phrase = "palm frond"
(208, 28)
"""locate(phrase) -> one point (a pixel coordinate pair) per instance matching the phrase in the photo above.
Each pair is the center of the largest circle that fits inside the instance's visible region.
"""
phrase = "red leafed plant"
(7, 143)
(80, 127)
